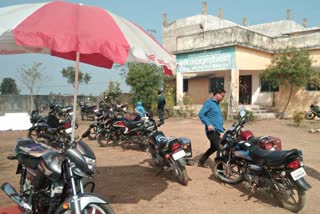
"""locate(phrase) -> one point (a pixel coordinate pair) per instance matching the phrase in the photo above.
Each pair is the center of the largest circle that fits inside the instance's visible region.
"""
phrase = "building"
(212, 51)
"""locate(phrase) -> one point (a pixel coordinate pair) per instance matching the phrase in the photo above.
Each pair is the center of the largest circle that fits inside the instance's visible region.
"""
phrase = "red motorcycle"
(264, 142)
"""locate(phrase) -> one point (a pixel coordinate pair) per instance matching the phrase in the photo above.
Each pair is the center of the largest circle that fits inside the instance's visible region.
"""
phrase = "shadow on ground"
(128, 184)
(312, 172)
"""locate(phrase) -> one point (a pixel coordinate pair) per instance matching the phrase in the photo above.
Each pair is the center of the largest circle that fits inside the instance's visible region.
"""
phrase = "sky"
(148, 15)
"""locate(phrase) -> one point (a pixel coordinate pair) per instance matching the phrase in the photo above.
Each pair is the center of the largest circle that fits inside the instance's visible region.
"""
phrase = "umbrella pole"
(75, 95)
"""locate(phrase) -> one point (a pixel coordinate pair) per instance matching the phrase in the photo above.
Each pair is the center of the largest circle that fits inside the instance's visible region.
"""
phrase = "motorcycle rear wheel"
(181, 174)
(90, 208)
(291, 198)
(309, 115)
(106, 139)
(221, 172)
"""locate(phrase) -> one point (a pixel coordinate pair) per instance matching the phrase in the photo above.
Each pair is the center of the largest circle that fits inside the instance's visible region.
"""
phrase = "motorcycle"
(170, 154)
(264, 142)
(52, 180)
(313, 112)
(125, 131)
(50, 125)
(87, 111)
(280, 173)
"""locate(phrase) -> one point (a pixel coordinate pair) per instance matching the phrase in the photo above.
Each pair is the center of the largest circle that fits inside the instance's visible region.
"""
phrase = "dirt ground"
(128, 180)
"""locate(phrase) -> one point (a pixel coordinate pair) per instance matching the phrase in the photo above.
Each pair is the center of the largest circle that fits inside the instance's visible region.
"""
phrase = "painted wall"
(199, 90)
(301, 99)
(250, 59)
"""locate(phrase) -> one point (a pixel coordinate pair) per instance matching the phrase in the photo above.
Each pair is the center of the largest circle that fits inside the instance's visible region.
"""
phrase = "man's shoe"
(202, 165)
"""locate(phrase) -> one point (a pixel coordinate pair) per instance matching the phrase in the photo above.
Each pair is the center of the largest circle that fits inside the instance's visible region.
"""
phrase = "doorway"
(245, 89)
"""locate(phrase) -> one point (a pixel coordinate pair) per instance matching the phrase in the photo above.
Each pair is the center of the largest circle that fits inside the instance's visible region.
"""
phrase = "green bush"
(297, 117)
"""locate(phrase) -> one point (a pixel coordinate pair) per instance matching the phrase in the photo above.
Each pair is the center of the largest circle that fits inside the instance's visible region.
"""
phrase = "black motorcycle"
(127, 132)
(50, 126)
(52, 180)
(313, 112)
(281, 173)
(170, 154)
(87, 111)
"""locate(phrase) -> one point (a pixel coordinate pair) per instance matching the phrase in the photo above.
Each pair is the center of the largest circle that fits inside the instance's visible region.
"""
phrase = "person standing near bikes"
(211, 116)
(161, 106)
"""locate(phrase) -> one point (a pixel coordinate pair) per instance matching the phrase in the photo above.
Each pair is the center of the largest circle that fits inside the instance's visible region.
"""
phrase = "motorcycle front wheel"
(90, 208)
(106, 139)
(227, 173)
(290, 197)
(309, 115)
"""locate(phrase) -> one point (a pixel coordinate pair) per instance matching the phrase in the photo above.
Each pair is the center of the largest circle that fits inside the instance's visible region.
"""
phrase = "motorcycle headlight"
(91, 163)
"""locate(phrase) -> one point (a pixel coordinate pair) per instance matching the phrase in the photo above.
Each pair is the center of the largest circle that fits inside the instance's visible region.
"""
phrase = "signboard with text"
(209, 60)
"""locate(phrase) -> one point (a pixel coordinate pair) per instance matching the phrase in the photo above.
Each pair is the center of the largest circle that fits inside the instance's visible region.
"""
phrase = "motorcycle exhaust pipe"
(13, 194)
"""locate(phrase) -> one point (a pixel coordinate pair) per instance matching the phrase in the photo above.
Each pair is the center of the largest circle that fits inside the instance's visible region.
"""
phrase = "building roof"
(276, 29)
(208, 22)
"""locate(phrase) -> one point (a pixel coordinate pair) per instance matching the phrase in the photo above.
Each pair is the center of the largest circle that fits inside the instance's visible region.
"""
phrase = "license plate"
(69, 130)
(298, 173)
(178, 155)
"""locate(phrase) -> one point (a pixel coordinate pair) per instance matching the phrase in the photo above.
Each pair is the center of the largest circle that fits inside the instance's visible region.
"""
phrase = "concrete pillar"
(288, 14)
(233, 90)
(245, 21)
(220, 13)
(179, 90)
(164, 19)
(305, 22)
(204, 8)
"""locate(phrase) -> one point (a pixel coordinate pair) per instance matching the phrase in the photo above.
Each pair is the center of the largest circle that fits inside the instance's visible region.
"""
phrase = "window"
(312, 87)
(266, 86)
(185, 85)
(215, 83)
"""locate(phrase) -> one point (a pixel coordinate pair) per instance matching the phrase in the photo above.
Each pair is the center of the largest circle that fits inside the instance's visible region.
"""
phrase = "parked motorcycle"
(125, 131)
(281, 173)
(264, 142)
(52, 180)
(170, 154)
(87, 111)
(50, 125)
(313, 112)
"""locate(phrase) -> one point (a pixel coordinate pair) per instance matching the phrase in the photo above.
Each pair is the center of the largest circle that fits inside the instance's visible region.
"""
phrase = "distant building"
(213, 52)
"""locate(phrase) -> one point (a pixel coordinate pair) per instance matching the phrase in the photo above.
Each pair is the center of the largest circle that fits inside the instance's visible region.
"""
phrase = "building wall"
(199, 90)
(250, 59)
(301, 99)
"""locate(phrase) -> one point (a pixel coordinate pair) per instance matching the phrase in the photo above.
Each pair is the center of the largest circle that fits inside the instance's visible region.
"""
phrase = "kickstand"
(253, 190)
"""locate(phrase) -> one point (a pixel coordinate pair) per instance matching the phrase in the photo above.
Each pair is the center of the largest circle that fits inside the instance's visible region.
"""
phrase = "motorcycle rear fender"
(303, 184)
(85, 199)
(181, 161)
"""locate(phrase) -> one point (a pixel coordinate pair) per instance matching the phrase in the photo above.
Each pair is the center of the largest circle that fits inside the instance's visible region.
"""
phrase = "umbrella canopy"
(62, 29)
(78, 32)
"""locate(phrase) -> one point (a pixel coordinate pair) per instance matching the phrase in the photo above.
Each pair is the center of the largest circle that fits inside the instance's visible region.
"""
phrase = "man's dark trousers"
(214, 137)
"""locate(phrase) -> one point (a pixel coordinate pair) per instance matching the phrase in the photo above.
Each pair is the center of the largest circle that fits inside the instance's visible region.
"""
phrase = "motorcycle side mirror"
(242, 113)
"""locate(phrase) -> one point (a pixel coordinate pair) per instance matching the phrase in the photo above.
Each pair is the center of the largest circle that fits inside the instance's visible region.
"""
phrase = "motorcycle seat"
(272, 158)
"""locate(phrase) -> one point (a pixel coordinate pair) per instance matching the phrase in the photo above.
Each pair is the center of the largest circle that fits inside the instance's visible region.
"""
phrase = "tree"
(113, 91)
(145, 81)
(69, 74)
(9, 86)
(32, 78)
(292, 69)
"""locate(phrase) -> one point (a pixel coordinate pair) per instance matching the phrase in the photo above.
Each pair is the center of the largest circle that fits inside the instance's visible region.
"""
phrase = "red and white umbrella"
(78, 32)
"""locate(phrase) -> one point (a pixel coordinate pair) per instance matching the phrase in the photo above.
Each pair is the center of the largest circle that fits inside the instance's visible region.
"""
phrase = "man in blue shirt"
(211, 116)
